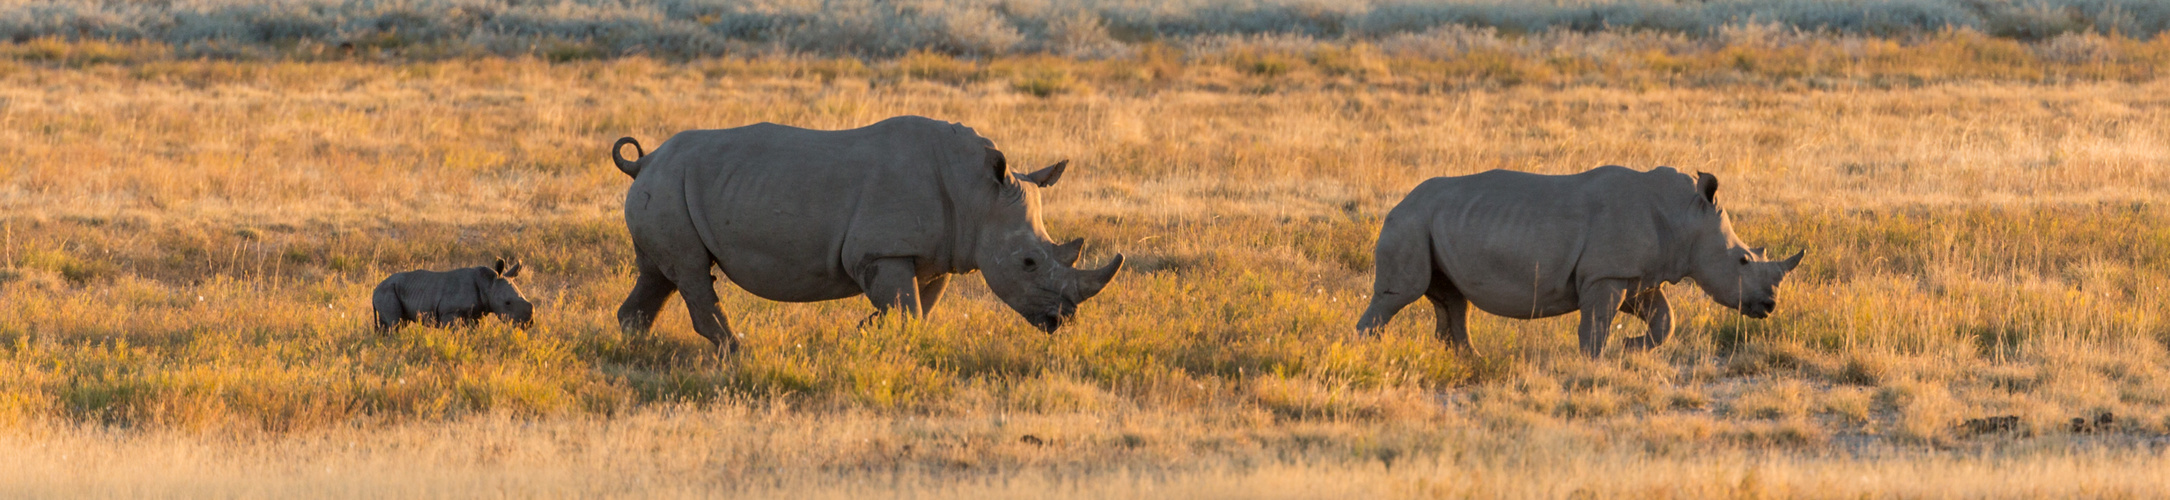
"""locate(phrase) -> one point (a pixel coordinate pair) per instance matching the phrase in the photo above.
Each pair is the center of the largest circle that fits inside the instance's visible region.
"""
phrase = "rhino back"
(445, 295)
(790, 213)
(1522, 245)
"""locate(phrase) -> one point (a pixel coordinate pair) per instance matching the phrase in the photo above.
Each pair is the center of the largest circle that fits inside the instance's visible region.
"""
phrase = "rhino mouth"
(1759, 310)
(1054, 317)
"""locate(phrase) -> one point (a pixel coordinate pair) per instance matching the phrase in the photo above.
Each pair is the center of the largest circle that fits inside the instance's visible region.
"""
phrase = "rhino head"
(1734, 274)
(1025, 268)
(500, 297)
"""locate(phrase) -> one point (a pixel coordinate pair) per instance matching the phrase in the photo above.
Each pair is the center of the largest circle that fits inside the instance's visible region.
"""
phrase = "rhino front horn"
(1098, 278)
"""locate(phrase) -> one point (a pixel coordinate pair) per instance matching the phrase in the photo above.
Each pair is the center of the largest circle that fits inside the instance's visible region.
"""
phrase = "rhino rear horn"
(1046, 176)
(1068, 252)
(1794, 261)
(1097, 279)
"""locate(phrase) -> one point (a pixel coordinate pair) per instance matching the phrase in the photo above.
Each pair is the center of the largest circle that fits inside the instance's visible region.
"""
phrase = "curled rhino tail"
(630, 167)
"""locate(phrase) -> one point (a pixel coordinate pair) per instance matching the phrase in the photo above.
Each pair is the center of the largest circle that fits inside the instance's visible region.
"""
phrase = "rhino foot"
(1642, 343)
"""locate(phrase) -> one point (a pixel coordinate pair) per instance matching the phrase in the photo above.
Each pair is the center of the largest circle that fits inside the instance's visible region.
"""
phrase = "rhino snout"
(1759, 310)
(1047, 323)
(1055, 316)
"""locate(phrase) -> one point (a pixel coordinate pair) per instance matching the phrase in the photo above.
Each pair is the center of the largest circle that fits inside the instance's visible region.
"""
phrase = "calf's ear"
(500, 267)
(516, 266)
(1708, 185)
(1795, 260)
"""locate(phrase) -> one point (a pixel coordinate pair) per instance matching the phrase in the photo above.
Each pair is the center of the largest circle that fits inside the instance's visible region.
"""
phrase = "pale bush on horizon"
(1076, 28)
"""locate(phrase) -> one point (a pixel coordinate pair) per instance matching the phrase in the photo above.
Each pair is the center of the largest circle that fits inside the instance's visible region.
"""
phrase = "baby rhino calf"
(457, 297)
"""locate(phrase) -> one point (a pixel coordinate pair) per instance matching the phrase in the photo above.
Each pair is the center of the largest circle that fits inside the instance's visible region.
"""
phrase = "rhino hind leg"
(707, 311)
(1450, 311)
(649, 293)
(1651, 306)
(1402, 271)
(389, 313)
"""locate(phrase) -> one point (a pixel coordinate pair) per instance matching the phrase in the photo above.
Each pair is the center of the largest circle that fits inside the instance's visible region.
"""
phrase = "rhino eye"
(1031, 265)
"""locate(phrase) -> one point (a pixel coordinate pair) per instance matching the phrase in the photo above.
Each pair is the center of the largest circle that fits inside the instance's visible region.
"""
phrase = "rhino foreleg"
(890, 284)
(930, 291)
(650, 291)
(1650, 305)
(1600, 304)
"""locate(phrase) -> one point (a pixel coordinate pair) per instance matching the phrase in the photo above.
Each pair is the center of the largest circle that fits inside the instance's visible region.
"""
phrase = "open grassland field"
(189, 246)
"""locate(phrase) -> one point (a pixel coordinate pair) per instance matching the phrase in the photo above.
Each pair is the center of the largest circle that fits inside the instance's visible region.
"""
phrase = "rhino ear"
(499, 268)
(998, 165)
(1708, 185)
(516, 266)
(1046, 176)
(1067, 253)
(1794, 261)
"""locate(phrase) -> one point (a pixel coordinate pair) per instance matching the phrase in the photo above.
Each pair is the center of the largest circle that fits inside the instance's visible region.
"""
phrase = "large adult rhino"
(1529, 246)
(795, 215)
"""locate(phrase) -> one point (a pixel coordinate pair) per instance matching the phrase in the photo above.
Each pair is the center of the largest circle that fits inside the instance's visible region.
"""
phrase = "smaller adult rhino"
(458, 297)
(889, 211)
(1531, 246)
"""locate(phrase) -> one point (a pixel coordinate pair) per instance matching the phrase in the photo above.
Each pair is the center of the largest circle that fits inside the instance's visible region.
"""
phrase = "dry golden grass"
(188, 247)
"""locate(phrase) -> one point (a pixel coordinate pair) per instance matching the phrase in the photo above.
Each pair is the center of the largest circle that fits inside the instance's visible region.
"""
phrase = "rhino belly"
(1505, 277)
(782, 258)
(1502, 299)
(785, 278)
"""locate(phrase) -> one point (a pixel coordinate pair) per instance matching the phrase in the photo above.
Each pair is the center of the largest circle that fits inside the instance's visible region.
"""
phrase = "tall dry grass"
(188, 247)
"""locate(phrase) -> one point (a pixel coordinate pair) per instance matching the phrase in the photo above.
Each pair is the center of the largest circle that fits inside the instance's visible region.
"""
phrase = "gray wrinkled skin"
(889, 210)
(459, 297)
(1527, 246)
